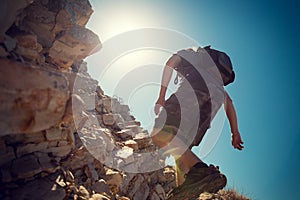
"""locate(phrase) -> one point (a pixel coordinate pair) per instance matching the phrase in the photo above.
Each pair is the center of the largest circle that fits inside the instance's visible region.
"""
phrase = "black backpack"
(223, 64)
(221, 60)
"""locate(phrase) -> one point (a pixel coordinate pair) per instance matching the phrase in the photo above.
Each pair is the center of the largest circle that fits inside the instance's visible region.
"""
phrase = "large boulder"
(32, 99)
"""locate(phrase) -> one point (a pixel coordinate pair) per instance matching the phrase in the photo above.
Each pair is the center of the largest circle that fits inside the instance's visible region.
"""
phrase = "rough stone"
(76, 11)
(143, 140)
(101, 187)
(59, 151)
(111, 119)
(127, 178)
(29, 148)
(160, 191)
(138, 181)
(126, 154)
(54, 133)
(124, 108)
(99, 197)
(34, 137)
(73, 45)
(125, 134)
(142, 192)
(52, 144)
(108, 119)
(42, 188)
(30, 167)
(5, 171)
(122, 198)
(83, 193)
(28, 46)
(47, 163)
(99, 92)
(113, 178)
(8, 156)
(134, 128)
(2, 146)
(92, 173)
(132, 144)
(8, 12)
(154, 196)
(41, 22)
(42, 98)
(62, 143)
(10, 43)
(3, 52)
(110, 104)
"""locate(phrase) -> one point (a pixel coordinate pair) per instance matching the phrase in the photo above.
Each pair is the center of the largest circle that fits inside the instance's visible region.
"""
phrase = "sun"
(111, 18)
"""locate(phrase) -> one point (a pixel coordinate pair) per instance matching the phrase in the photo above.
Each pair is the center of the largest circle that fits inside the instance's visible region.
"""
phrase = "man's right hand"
(159, 103)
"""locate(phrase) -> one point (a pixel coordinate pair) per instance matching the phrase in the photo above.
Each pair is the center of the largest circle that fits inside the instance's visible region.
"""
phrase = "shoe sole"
(211, 184)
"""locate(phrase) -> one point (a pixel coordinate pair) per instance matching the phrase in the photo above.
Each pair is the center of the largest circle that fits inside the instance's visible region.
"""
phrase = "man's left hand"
(236, 141)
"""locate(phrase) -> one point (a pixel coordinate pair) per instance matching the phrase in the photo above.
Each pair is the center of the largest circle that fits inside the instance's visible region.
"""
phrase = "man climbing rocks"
(187, 114)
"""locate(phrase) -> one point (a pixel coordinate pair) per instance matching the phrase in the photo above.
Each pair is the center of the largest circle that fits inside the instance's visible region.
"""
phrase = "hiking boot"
(201, 179)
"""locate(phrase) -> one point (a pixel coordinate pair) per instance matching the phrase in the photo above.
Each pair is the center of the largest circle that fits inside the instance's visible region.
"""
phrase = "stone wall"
(57, 126)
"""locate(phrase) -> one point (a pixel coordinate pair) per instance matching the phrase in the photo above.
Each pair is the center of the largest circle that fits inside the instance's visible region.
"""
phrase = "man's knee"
(161, 137)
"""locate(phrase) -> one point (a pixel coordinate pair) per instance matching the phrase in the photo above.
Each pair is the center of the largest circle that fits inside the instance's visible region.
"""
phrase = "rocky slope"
(57, 127)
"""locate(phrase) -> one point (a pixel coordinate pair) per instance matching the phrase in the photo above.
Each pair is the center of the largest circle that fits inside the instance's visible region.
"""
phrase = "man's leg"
(185, 158)
(181, 170)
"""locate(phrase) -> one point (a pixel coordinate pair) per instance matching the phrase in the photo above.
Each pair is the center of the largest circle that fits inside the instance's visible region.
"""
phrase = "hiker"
(187, 113)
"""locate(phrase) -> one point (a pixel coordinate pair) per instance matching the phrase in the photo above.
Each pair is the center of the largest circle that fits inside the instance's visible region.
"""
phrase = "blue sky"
(262, 40)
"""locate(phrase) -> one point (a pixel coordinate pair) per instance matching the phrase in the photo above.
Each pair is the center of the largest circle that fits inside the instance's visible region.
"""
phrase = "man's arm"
(166, 77)
(232, 118)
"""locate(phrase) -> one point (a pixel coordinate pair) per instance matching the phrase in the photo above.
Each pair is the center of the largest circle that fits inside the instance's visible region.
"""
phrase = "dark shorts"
(188, 118)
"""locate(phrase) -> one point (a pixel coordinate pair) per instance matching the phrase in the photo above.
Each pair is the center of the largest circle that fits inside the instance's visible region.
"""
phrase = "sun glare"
(113, 19)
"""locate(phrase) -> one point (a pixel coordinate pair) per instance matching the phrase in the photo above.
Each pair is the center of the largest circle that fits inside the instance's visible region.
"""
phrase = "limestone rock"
(30, 166)
(75, 113)
(99, 197)
(6, 173)
(41, 21)
(154, 196)
(125, 134)
(142, 192)
(139, 179)
(3, 52)
(111, 119)
(143, 140)
(126, 154)
(108, 119)
(7, 156)
(160, 191)
(58, 151)
(132, 144)
(73, 45)
(83, 193)
(2, 146)
(47, 163)
(41, 98)
(9, 43)
(28, 46)
(77, 11)
(42, 188)
(134, 128)
(54, 133)
(113, 178)
(29, 148)
(91, 172)
(36, 137)
(8, 12)
(101, 187)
